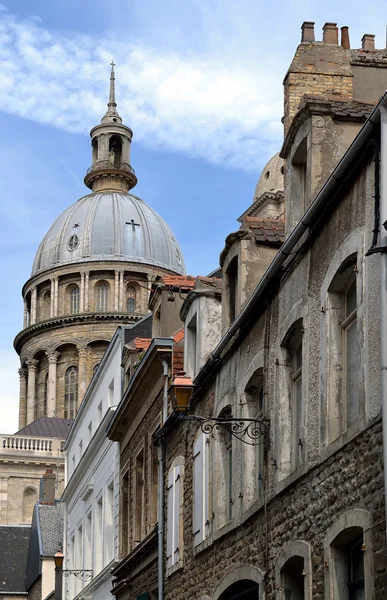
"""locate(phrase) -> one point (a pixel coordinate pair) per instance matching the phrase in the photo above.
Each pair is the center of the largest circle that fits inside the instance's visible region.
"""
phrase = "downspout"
(160, 490)
(383, 285)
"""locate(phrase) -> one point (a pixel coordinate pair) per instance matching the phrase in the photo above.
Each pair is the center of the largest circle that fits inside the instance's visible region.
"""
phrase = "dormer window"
(299, 163)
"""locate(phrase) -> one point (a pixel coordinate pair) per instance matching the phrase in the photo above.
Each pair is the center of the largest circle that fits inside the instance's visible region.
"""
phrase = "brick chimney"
(345, 38)
(330, 33)
(47, 487)
(307, 31)
(368, 41)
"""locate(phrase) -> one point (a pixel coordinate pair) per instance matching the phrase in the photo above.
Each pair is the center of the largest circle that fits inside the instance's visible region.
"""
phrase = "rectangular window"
(124, 513)
(88, 541)
(139, 497)
(153, 479)
(109, 524)
(297, 403)
(98, 550)
(232, 284)
(111, 394)
(191, 347)
(99, 412)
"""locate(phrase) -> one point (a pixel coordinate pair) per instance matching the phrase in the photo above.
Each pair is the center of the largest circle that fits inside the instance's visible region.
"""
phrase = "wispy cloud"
(213, 108)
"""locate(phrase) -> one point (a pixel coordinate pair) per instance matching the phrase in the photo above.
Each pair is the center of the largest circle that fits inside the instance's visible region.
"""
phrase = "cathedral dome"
(272, 177)
(109, 226)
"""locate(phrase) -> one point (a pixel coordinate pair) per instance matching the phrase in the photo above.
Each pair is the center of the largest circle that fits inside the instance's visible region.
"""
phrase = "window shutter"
(176, 515)
(198, 491)
(170, 506)
(206, 485)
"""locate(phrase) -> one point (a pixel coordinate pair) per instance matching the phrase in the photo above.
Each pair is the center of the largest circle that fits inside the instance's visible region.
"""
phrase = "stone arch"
(347, 525)
(294, 550)
(30, 497)
(241, 573)
(115, 150)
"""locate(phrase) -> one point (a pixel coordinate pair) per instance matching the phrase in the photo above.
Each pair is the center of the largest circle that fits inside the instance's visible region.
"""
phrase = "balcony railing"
(20, 443)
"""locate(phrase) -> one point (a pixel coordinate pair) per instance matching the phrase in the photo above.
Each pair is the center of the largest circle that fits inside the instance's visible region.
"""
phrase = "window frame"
(174, 525)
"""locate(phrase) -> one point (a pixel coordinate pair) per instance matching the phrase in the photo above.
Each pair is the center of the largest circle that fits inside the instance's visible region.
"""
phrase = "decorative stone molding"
(32, 364)
(52, 356)
(22, 373)
(297, 548)
(237, 574)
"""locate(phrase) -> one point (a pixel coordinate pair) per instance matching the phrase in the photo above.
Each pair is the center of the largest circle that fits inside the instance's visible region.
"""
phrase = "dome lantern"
(110, 168)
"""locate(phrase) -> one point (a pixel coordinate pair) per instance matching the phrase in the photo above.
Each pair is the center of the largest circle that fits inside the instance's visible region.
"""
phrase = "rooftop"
(14, 543)
(48, 427)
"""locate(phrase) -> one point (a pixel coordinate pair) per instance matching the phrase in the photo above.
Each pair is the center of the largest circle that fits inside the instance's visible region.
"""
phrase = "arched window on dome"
(102, 296)
(71, 393)
(95, 150)
(74, 299)
(131, 299)
(45, 305)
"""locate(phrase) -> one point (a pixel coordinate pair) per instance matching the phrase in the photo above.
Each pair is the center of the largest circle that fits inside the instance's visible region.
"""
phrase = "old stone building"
(274, 483)
(92, 272)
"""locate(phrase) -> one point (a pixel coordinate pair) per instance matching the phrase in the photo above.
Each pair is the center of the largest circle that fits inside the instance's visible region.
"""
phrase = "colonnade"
(117, 304)
(28, 377)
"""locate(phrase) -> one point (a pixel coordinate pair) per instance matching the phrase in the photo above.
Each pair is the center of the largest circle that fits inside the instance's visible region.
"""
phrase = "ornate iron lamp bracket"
(84, 575)
(249, 431)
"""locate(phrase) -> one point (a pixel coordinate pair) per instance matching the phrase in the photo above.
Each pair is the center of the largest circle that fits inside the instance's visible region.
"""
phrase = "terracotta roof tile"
(270, 231)
(141, 343)
(212, 282)
(179, 335)
(179, 281)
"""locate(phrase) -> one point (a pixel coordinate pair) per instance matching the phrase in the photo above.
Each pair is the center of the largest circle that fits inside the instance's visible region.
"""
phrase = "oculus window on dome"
(73, 242)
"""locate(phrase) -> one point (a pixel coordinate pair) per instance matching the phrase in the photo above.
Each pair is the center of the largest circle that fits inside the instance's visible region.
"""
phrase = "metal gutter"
(288, 246)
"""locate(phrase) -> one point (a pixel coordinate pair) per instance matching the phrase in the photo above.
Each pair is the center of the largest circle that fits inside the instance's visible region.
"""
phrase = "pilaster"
(22, 398)
(51, 387)
(32, 365)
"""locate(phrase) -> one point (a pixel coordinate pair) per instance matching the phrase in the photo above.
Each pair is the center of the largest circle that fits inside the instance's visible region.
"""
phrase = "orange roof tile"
(178, 336)
(271, 231)
(179, 281)
(141, 343)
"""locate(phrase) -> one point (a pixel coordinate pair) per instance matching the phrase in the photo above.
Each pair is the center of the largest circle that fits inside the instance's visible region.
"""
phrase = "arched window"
(95, 150)
(46, 305)
(74, 300)
(131, 300)
(30, 497)
(71, 393)
(343, 349)
(293, 571)
(45, 395)
(223, 476)
(290, 365)
(102, 296)
(115, 151)
(254, 455)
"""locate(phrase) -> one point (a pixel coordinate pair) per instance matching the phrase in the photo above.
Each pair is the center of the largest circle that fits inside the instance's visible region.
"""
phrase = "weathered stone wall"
(333, 477)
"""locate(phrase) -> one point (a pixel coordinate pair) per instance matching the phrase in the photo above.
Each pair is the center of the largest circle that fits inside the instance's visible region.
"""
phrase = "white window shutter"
(206, 486)
(176, 515)
(170, 507)
(198, 491)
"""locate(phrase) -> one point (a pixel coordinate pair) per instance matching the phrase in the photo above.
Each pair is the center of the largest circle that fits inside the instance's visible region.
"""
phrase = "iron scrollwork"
(249, 431)
(82, 575)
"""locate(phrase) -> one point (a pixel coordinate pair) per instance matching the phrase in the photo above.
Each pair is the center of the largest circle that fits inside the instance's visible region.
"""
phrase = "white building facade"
(92, 484)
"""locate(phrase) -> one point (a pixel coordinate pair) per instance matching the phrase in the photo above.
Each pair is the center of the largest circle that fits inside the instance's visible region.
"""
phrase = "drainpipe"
(383, 284)
(160, 490)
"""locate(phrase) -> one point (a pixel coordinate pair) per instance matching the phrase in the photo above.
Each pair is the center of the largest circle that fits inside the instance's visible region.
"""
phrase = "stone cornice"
(68, 320)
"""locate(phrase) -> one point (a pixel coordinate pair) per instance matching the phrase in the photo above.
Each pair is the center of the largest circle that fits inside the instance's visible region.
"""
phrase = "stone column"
(121, 297)
(25, 319)
(51, 384)
(82, 373)
(116, 291)
(34, 295)
(52, 298)
(23, 398)
(86, 305)
(82, 293)
(56, 296)
(32, 365)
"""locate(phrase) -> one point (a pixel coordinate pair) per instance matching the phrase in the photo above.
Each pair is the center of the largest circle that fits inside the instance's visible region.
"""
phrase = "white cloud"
(218, 109)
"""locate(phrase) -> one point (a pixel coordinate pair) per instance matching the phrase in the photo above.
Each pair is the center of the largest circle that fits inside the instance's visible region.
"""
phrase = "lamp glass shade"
(181, 390)
(58, 559)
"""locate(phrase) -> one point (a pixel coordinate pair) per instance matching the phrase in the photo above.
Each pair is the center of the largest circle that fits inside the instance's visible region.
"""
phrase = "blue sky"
(200, 84)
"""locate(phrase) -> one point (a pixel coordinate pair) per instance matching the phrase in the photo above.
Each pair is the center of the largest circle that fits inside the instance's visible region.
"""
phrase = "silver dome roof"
(109, 226)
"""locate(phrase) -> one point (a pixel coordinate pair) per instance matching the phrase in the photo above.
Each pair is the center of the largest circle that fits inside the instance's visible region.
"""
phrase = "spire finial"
(111, 113)
(112, 95)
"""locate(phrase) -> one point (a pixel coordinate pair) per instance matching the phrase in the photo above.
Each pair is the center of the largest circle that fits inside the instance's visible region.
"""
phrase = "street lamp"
(251, 431)
(83, 574)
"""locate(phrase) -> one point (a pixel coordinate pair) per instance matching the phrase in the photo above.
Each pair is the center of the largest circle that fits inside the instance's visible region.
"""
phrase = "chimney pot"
(368, 41)
(47, 487)
(307, 31)
(330, 33)
(345, 38)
